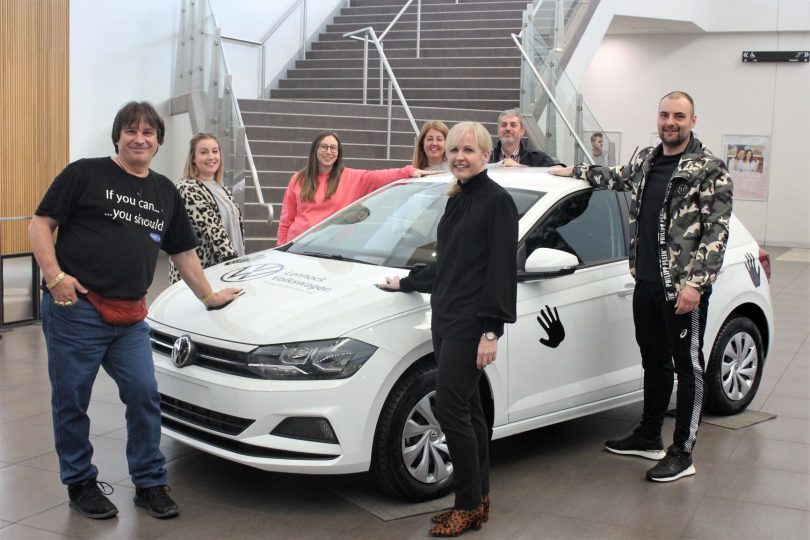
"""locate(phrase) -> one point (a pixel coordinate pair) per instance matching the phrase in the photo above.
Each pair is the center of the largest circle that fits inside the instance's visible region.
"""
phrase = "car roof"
(530, 178)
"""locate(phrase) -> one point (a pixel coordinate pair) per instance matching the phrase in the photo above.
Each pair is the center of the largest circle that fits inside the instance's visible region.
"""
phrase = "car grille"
(215, 358)
(215, 421)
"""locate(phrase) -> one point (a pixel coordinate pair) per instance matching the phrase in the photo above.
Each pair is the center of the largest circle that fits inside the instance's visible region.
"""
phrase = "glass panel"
(558, 137)
(18, 288)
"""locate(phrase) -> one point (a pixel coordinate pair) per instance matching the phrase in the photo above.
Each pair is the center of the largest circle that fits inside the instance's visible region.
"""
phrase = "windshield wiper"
(335, 257)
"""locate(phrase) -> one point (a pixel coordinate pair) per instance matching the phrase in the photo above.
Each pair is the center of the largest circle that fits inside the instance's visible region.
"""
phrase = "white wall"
(627, 74)
(123, 51)
(251, 20)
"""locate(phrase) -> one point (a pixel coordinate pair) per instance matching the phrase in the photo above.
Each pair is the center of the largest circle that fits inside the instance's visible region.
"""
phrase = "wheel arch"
(758, 317)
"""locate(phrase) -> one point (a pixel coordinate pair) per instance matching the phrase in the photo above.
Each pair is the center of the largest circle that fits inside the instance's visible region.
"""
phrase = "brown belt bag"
(117, 311)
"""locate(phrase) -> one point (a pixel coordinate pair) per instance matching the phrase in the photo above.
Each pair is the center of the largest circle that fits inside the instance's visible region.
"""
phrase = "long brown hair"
(420, 160)
(191, 170)
(307, 177)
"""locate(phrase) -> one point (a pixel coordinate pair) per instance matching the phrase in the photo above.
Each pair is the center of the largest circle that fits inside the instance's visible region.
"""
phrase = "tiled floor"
(555, 482)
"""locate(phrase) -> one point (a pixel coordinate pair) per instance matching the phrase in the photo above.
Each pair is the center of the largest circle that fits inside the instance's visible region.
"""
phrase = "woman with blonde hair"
(474, 293)
(325, 186)
(428, 152)
(212, 211)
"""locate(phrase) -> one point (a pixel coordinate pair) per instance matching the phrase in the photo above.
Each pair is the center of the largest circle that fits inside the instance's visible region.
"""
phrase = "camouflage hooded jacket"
(693, 224)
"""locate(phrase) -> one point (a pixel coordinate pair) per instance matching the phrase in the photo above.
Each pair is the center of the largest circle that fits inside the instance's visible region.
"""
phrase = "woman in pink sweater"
(324, 186)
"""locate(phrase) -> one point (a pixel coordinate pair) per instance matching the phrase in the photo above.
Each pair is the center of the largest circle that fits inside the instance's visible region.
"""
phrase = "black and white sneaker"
(676, 464)
(90, 499)
(636, 445)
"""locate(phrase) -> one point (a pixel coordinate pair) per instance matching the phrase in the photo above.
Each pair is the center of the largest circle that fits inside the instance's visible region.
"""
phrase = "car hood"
(287, 298)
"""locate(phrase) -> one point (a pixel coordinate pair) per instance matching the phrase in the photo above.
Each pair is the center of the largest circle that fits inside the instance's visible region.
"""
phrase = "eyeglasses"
(327, 148)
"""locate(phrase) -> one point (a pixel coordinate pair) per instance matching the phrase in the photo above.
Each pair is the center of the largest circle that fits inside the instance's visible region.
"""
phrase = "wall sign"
(776, 56)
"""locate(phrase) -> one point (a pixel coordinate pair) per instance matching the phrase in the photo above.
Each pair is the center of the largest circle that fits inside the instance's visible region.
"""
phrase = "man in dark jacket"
(679, 218)
(510, 149)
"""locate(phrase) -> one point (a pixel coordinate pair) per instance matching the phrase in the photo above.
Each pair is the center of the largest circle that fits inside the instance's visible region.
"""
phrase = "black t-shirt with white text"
(112, 225)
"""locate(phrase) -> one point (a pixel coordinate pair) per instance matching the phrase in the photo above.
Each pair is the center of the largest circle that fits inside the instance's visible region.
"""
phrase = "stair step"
(410, 26)
(406, 73)
(458, 94)
(434, 33)
(443, 52)
(327, 109)
(445, 16)
(471, 43)
(448, 7)
(407, 84)
(510, 60)
(347, 135)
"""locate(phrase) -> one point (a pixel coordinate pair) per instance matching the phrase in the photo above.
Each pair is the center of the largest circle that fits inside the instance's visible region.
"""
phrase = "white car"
(315, 370)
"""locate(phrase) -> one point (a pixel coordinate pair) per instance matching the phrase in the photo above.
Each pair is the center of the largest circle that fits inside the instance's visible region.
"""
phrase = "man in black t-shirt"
(113, 215)
(679, 217)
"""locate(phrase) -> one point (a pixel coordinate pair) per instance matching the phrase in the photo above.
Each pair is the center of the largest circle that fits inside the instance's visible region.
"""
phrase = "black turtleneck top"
(473, 282)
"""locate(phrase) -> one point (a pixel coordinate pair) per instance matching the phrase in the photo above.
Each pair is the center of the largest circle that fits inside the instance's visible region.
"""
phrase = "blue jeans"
(78, 342)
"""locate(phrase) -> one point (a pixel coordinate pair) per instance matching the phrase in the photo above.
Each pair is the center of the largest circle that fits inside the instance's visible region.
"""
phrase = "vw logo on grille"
(183, 352)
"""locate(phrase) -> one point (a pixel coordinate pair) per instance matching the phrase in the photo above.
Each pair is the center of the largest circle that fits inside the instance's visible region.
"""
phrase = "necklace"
(129, 171)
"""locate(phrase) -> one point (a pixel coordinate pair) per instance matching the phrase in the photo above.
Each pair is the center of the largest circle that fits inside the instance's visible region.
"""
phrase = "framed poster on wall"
(747, 158)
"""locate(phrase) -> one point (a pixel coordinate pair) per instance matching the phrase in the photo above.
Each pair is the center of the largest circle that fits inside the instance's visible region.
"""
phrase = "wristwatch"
(492, 336)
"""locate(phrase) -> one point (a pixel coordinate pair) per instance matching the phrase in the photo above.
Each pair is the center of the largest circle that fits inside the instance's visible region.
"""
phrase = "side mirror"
(546, 262)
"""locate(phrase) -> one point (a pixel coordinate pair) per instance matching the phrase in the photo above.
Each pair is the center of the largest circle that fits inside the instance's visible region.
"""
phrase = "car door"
(573, 342)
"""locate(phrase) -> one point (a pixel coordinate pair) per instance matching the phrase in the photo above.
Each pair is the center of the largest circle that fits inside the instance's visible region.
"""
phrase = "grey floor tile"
(22, 439)
(22, 532)
(793, 383)
(28, 491)
(718, 518)
(4, 524)
(782, 428)
(788, 406)
(24, 401)
(772, 454)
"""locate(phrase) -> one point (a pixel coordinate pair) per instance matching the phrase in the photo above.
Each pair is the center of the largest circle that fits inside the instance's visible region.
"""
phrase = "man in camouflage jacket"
(679, 219)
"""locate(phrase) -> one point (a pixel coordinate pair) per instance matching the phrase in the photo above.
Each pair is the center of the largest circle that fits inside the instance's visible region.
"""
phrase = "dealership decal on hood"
(300, 281)
(254, 271)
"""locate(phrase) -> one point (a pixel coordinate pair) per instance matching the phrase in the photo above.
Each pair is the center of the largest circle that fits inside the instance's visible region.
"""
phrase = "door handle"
(628, 290)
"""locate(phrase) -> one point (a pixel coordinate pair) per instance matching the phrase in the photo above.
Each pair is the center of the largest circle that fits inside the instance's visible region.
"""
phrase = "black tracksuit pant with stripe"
(670, 344)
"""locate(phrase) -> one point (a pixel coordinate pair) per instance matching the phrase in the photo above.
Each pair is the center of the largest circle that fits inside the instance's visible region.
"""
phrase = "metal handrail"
(533, 69)
(263, 43)
(254, 175)
(392, 80)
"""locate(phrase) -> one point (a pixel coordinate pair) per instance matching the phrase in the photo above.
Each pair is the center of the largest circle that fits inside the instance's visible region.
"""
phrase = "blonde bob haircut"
(420, 160)
(191, 170)
(482, 138)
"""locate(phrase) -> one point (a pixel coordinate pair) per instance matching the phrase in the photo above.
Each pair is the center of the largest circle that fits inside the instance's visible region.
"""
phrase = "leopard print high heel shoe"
(458, 522)
(443, 516)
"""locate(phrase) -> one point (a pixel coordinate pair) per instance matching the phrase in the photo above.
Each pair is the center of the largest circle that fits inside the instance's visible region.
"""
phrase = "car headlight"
(325, 359)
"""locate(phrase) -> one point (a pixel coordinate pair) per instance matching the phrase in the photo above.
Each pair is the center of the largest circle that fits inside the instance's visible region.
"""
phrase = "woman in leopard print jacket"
(212, 211)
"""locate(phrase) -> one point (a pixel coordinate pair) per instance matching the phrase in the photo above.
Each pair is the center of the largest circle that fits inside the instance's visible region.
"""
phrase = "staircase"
(468, 69)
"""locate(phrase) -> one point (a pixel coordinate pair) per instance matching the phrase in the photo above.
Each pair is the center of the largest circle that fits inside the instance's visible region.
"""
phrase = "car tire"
(410, 458)
(735, 367)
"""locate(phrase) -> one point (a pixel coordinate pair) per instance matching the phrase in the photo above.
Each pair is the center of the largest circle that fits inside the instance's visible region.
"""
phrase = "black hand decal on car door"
(753, 269)
(551, 324)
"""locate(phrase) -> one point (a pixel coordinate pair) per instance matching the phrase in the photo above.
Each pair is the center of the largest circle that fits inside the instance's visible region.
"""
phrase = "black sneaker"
(636, 445)
(157, 501)
(676, 464)
(89, 499)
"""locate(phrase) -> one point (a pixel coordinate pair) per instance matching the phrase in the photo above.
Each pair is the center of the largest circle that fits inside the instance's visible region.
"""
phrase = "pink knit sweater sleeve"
(372, 180)
(289, 210)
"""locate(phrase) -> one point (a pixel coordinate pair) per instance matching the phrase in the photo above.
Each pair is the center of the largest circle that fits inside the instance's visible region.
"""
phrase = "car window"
(396, 226)
(586, 224)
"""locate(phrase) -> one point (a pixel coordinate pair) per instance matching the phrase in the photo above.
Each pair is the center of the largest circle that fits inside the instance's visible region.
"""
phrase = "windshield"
(395, 226)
